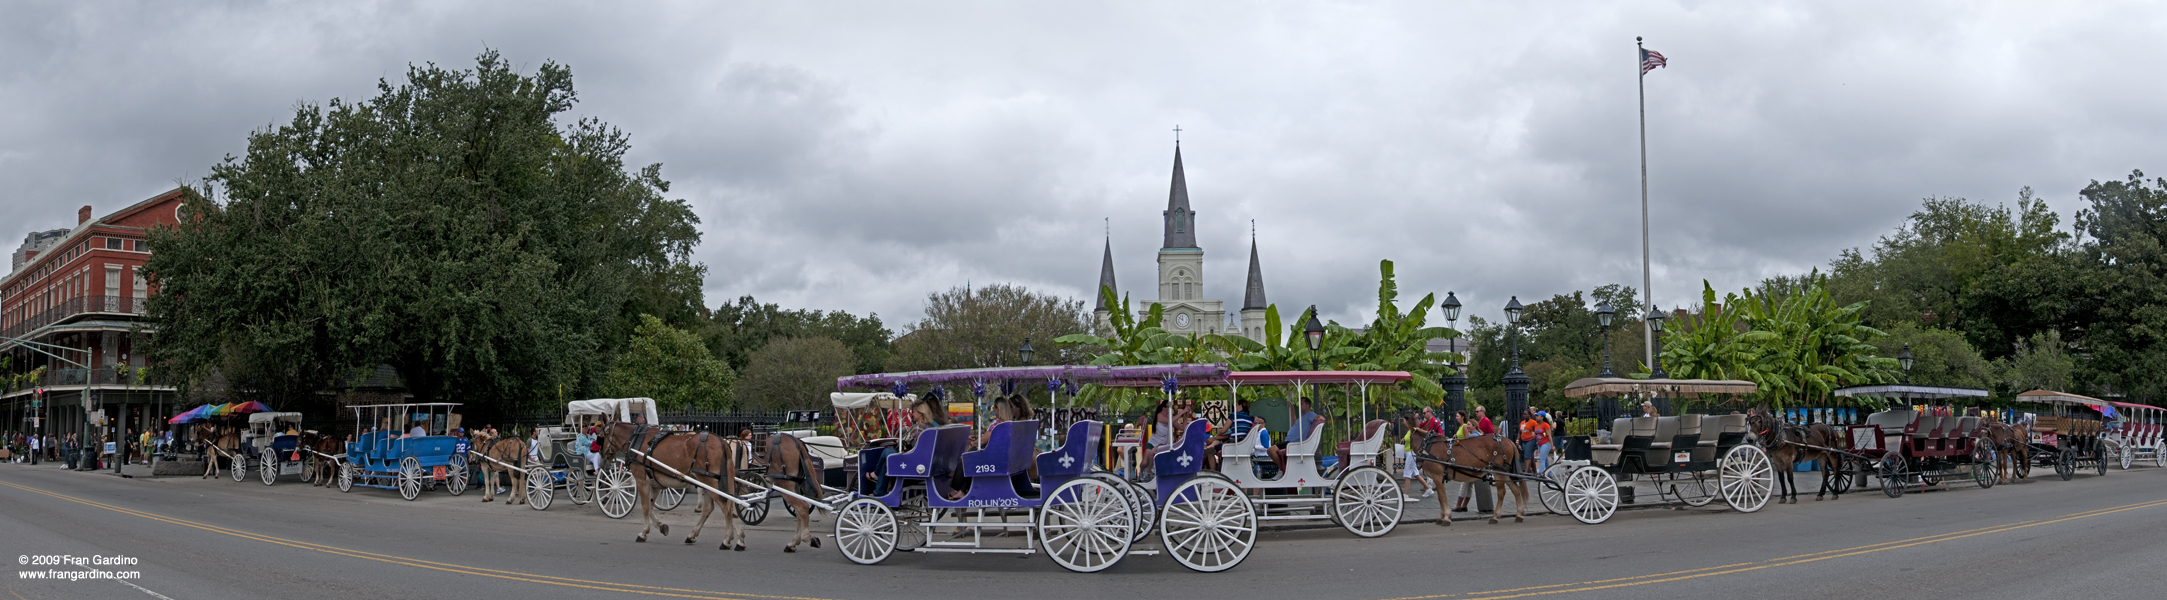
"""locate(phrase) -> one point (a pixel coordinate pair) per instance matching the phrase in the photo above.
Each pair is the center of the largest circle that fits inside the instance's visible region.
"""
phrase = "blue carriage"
(414, 459)
(1085, 518)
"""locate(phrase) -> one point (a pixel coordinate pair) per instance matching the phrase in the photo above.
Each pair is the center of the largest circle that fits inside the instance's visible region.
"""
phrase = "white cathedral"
(1181, 277)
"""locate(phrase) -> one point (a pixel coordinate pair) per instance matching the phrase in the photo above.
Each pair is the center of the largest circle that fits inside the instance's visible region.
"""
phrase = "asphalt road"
(2094, 537)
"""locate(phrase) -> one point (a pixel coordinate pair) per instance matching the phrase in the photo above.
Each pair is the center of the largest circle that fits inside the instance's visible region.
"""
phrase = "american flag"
(1649, 60)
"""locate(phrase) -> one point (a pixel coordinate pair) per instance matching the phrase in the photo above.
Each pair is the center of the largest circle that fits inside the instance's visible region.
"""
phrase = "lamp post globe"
(1451, 307)
(1026, 352)
(1906, 360)
(1313, 333)
(1603, 316)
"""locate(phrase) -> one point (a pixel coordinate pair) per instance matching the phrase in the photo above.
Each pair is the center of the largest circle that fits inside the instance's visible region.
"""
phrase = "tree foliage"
(794, 373)
(451, 226)
(985, 326)
(736, 331)
(672, 366)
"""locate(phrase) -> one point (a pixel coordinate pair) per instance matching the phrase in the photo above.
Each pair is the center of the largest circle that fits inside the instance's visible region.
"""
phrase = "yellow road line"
(418, 563)
(1639, 580)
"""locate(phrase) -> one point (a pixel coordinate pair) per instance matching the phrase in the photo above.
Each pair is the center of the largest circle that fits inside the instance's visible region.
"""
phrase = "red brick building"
(73, 306)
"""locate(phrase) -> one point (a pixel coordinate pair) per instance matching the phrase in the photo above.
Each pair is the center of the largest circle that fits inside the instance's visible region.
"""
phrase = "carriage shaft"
(682, 477)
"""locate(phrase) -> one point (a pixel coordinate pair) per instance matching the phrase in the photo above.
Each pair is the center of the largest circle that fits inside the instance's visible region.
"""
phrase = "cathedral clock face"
(1181, 321)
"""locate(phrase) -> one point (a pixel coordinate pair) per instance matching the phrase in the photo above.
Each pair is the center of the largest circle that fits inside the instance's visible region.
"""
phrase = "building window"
(112, 243)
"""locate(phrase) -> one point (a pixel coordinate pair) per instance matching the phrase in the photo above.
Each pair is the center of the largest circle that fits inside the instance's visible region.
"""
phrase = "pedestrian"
(1532, 430)
(1544, 442)
(1411, 469)
(1482, 421)
(1466, 429)
(34, 450)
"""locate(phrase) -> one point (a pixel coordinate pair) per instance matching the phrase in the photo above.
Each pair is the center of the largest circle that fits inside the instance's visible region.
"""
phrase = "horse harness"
(1490, 466)
(699, 457)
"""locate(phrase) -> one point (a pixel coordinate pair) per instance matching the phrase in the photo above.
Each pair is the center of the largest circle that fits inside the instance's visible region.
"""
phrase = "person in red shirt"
(1430, 423)
(1482, 421)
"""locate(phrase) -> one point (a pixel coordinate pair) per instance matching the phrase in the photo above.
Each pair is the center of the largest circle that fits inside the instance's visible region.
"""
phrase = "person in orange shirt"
(1533, 432)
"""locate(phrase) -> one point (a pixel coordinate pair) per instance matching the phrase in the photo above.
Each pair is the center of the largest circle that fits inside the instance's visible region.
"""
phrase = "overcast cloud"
(858, 156)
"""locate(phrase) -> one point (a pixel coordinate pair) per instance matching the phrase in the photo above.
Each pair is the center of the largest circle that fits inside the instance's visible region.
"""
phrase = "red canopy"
(2135, 406)
(1318, 377)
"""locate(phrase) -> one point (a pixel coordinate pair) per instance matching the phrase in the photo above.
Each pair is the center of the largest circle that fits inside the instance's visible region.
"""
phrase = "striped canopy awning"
(1604, 386)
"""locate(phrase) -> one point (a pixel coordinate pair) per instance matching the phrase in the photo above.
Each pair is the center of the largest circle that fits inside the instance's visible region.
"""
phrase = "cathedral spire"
(1180, 221)
(1106, 277)
(1254, 297)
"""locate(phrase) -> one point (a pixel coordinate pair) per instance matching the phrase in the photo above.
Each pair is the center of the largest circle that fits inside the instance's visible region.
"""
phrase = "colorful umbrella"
(222, 410)
(191, 415)
(250, 407)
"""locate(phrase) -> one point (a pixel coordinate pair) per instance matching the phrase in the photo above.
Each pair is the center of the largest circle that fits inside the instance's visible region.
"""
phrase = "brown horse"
(316, 449)
(791, 463)
(2012, 447)
(219, 442)
(702, 456)
(1487, 452)
(1789, 444)
(507, 451)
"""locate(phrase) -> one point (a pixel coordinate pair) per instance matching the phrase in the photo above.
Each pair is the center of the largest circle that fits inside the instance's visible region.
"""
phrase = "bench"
(1182, 460)
(1077, 454)
(998, 475)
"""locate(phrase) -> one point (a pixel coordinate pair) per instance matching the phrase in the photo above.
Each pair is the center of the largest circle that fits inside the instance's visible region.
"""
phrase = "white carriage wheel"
(1085, 525)
(455, 475)
(614, 487)
(1208, 524)
(346, 478)
(270, 466)
(865, 531)
(1591, 495)
(1695, 492)
(2159, 454)
(1367, 502)
(575, 486)
(1143, 504)
(669, 498)
(409, 477)
(1552, 498)
(1748, 479)
(540, 489)
(2129, 456)
(308, 469)
(240, 466)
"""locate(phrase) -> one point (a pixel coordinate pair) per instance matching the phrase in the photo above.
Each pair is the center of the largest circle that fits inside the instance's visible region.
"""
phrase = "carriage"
(2072, 438)
(832, 454)
(611, 482)
(271, 450)
(1085, 518)
(1686, 459)
(1349, 489)
(2137, 434)
(382, 457)
(1908, 449)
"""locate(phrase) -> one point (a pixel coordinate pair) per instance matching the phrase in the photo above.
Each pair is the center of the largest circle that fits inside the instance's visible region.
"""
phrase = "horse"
(322, 469)
(215, 439)
(703, 456)
(1440, 452)
(2012, 448)
(1788, 444)
(791, 463)
(509, 450)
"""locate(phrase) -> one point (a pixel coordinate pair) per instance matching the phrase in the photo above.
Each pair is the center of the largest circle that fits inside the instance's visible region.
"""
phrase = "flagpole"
(1647, 290)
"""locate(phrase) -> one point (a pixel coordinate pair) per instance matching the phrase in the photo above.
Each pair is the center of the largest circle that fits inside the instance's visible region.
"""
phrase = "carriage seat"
(1892, 421)
(1363, 450)
(1670, 430)
(935, 456)
(1607, 454)
(1729, 430)
(1008, 451)
(1966, 426)
(1186, 455)
(1077, 454)
(1308, 444)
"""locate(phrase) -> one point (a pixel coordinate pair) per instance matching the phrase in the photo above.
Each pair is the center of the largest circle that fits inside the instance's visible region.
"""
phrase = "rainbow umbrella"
(250, 407)
(223, 410)
(191, 415)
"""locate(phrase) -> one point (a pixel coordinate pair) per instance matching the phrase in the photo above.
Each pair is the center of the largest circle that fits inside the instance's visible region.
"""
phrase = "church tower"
(1106, 281)
(1253, 303)
(1181, 266)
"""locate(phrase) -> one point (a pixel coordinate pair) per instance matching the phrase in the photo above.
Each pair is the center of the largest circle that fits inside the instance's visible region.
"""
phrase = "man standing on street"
(33, 450)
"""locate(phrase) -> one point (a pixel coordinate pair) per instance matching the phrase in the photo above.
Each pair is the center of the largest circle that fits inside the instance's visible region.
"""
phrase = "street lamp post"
(1655, 325)
(1313, 332)
(1455, 384)
(1605, 406)
(1026, 352)
(1515, 380)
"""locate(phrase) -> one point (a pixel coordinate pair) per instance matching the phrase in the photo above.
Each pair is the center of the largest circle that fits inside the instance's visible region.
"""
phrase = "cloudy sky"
(858, 156)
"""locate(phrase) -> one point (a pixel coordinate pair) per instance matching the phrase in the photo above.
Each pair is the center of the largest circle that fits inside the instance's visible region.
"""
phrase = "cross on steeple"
(1177, 135)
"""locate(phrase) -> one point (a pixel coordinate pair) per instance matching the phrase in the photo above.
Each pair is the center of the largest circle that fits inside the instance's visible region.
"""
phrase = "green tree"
(984, 326)
(2126, 294)
(1940, 357)
(2041, 363)
(451, 226)
(737, 330)
(794, 373)
(672, 366)
(1993, 273)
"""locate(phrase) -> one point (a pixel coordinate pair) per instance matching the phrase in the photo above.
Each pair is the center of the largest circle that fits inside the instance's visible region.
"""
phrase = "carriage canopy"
(851, 400)
(621, 408)
(271, 417)
(1604, 386)
(1910, 392)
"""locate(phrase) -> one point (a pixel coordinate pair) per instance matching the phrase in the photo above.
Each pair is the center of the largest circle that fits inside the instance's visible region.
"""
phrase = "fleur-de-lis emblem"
(1067, 460)
(1184, 460)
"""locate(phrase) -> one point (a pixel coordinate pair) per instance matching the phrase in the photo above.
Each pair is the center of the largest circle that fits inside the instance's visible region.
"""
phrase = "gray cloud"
(860, 155)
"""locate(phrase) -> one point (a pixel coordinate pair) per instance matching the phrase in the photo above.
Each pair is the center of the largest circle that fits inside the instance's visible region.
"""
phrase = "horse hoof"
(816, 542)
(640, 539)
(1443, 523)
(690, 541)
(789, 549)
(740, 548)
(665, 528)
(1519, 519)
